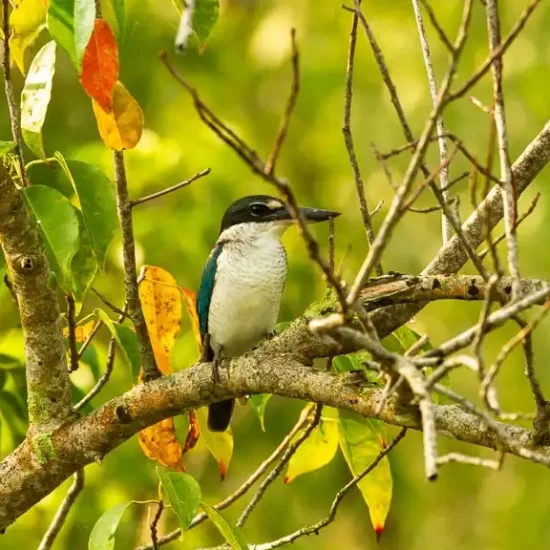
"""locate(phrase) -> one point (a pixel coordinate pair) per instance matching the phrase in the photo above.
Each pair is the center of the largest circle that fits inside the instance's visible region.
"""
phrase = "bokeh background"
(244, 75)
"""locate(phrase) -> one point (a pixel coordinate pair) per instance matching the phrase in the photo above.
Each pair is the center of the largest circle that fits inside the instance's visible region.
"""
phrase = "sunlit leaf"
(204, 18)
(126, 338)
(96, 195)
(317, 450)
(184, 495)
(6, 147)
(84, 16)
(100, 65)
(161, 303)
(58, 222)
(83, 266)
(159, 442)
(190, 300)
(219, 444)
(61, 26)
(81, 331)
(259, 403)
(102, 536)
(26, 21)
(35, 97)
(120, 14)
(231, 533)
(120, 128)
(360, 446)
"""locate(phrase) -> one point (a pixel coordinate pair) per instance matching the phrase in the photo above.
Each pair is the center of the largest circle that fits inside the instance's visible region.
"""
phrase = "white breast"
(250, 278)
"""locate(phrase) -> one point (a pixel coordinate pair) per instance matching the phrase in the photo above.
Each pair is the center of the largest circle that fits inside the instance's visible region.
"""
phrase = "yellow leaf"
(81, 331)
(360, 446)
(159, 443)
(190, 299)
(219, 444)
(121, 127)
(26, 21)
(161, 302)
(317, 450)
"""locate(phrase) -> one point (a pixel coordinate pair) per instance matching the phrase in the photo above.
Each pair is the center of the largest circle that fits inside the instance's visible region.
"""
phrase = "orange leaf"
(159, 443)
(121, 127)
(193, 433)
(100, 65)
(81, 331)
(190, 299)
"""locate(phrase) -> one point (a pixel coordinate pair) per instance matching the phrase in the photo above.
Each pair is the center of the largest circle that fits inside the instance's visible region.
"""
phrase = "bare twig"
(89, 339)
(443, 154)
(71, 321)
(15, 115)
(150, 370)
(158, 194)
(287, 455)
(472, 460)
(507, 186)
(154, 525)
(63, 511)
(121, 312)
(348, 139)
(294, 91)
(442, 35)
(316, 527)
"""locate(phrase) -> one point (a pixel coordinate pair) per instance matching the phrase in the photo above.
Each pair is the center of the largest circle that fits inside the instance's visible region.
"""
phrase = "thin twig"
(89, 339)
(442, 35)
(154, 525)
(507, 186)
(71, 321)
(294, 91)
(292, 448)
(443, 153)
(121, 312)
(316, 527)
(63, 511)
(148, 363)
(15, 115)
(472, 460)
(158, 194)
(348, 139)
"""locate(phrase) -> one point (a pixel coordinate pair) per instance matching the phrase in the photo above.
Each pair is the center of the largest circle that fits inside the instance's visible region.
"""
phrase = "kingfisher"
(242, 284)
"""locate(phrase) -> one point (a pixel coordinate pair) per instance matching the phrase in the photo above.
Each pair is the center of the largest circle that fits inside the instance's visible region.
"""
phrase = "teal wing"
(206, 288)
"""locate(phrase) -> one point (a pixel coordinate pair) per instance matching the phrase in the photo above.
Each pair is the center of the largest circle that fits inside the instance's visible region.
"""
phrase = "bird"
(242, 284)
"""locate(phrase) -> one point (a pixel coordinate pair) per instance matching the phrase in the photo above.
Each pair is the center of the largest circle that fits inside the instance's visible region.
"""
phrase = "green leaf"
(35, 98)
(126, 338)
(219, 444)
(84, 18)
(96, 195)
(61, 26)
(230, 533)
(58, 221)
(360, 445)
(6, 147)
(120, 14)
(259, 403)
(26, 21)
(13, 416)
(318, 449)
(184, 495)
(102, 536)
(204, 18)
(9, 362)
(83, 266)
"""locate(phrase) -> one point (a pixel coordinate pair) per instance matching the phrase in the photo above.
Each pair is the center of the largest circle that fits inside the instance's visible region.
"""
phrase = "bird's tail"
(219, 415)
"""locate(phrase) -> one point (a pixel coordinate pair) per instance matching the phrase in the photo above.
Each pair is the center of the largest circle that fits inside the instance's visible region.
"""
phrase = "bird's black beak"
(314, 215)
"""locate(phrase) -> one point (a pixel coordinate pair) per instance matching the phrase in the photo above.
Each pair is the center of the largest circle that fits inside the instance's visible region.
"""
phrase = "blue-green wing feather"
(205, 290)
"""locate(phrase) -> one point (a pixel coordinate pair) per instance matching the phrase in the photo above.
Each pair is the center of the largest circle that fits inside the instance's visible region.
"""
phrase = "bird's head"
(262, 214)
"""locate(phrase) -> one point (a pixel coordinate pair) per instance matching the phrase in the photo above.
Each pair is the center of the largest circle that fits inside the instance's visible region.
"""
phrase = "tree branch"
(49, 391)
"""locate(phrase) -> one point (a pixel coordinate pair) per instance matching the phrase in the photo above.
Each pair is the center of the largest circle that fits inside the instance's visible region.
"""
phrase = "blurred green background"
(244, 75)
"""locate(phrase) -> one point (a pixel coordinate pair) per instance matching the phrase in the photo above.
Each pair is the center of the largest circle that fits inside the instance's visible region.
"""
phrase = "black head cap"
(263, 208)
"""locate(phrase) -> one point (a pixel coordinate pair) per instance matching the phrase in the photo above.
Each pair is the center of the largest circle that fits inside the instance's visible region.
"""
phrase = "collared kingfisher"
(242, 284)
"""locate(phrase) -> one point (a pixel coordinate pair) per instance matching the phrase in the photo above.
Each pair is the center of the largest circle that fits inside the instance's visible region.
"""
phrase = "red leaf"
(193, 433)
(100, 65)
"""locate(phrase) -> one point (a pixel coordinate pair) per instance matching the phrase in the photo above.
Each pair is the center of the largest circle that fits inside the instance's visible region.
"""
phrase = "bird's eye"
(259, 210)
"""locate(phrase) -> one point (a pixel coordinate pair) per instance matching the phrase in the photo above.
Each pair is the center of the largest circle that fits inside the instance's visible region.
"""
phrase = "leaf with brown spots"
(81, 331)
(160, 443)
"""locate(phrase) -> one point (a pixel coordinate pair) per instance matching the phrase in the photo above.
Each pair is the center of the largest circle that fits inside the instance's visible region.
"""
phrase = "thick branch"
(89, 439)
(49, 392)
